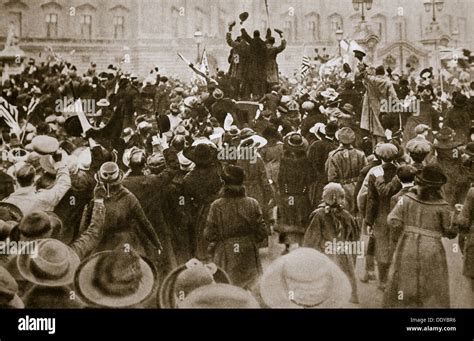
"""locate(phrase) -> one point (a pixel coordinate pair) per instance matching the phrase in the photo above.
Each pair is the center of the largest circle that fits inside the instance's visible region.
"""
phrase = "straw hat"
(54, 265)
(115, 279)
(313, 280)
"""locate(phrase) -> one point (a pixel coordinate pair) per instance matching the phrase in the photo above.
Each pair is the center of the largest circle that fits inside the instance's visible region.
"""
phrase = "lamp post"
(363, 5)
(339, 35)
(435, 6)
(198, 38)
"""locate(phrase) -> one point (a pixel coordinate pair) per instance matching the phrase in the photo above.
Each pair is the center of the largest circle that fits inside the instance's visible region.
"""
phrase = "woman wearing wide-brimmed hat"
(294, 179)
(419, 267)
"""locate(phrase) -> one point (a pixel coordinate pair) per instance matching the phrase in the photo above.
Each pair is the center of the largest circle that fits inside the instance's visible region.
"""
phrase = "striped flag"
(305, 66)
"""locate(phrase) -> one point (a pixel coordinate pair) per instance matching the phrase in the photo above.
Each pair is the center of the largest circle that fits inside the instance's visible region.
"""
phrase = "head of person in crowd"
(38, 225)
(333, 195)
(137, 162)
(156, 163)
(406, 174)
(346, 137)
(116, 279)
(49, 263)
(219, 296)
(25, 176)
(233, 176)
(311, 278)
(380, 70)
(429, 182)
(9, 291)
(418, 150)
(57, 297)
(422, 130)
(202, 155)
(386, 152)
(331, 130)
(109, 178)
(295, 145)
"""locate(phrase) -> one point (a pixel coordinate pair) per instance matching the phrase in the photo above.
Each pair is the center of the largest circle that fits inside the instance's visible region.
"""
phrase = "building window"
(86, 26)
(119, 27)
(312, 30)
(15, 22)
(51, 25)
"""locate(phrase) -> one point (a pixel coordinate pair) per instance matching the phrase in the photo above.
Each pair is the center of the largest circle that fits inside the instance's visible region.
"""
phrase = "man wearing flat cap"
(344, 165)
(381, 187)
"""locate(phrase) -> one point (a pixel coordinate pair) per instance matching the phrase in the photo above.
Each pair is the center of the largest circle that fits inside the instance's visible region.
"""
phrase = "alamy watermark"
(11, 247)
(234, 153)
(394, 105)
(344, 247)
(68, 105)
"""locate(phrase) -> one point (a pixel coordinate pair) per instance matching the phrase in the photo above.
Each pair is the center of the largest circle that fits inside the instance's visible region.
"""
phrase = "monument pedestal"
(12, 60)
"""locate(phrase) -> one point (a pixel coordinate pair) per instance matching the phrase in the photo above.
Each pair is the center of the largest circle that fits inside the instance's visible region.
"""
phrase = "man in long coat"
(235, 226)
(238, 59)
(381, 187)
(271, 67)
(318, 153)
(379, 88)
(419, 270)
(344, 165)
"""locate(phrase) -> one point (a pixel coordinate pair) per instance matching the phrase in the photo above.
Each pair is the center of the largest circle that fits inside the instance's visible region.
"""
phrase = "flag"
(205, 64)
(305, 66)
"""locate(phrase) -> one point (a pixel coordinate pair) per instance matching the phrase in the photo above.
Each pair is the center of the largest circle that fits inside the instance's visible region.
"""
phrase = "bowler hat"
(431, 175)
(243, 17)
(295, 142)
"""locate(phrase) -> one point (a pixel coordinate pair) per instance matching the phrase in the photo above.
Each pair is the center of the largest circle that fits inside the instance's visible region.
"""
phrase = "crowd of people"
(166, 195)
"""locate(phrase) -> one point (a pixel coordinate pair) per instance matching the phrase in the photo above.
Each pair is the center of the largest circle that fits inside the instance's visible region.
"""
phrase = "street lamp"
(433, 6)
(198, 38)
(364, 5)
(339, 35)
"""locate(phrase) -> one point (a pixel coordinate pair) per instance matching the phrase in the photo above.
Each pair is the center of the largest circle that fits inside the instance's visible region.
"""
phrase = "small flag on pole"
(305, 66)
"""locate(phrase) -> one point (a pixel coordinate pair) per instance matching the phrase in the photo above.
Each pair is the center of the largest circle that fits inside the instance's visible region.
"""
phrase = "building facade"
(144, 33)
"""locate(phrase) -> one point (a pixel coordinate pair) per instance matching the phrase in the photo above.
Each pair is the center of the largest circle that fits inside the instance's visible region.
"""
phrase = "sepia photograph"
(237, 154)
